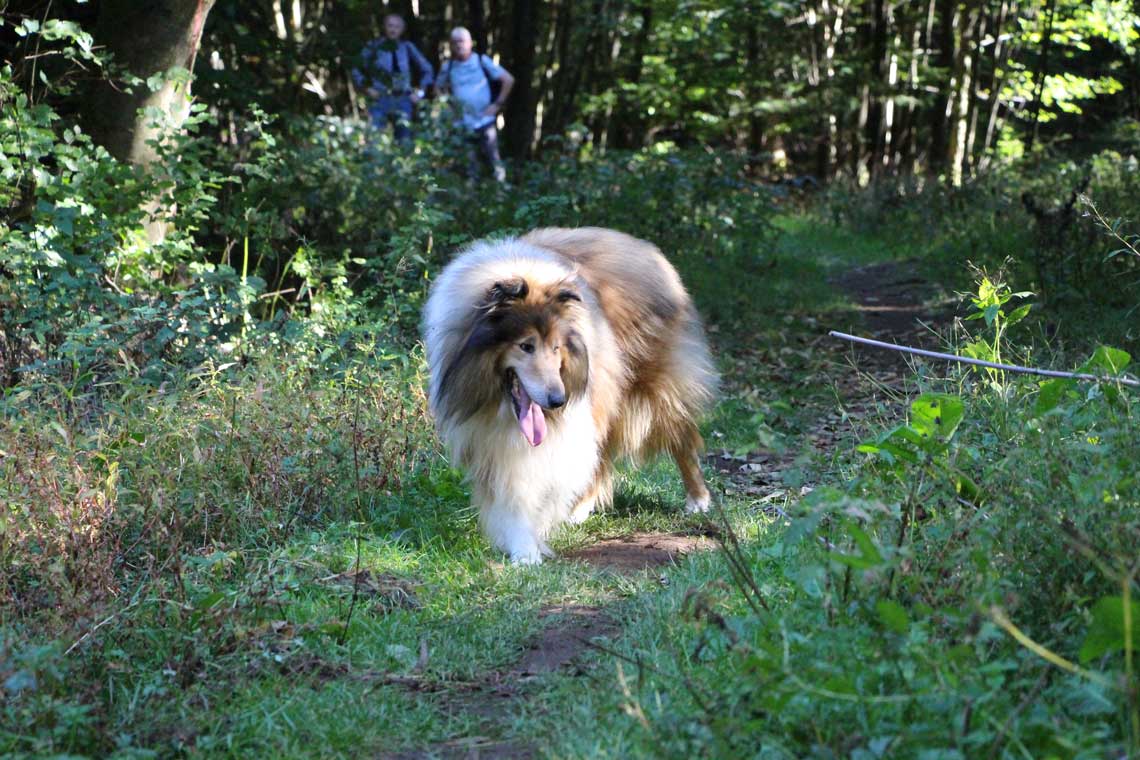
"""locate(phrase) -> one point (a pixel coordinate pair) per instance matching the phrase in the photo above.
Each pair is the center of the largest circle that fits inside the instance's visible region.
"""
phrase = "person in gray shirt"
(385, 74)
(479, 88)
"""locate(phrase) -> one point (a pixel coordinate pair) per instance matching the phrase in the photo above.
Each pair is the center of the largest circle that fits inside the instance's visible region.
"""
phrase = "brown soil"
(640, 551)
(490, 700)
(893, 300)
(897, 306)
(567, 635)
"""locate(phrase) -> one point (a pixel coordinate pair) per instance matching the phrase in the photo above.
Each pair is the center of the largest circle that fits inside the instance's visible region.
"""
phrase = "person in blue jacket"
(385, 75)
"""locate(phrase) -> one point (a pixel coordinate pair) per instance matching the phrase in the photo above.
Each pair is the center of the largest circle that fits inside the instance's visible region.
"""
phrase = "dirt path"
(895, 304)
(569, 632)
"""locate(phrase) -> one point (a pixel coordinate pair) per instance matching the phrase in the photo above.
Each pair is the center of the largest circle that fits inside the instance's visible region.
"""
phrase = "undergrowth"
(967, 589)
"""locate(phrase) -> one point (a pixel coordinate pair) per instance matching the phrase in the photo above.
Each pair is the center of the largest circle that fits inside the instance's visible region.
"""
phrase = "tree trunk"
(963, 79)
(944, 58)
(873, 125)
(563, 66)
(576, 63)
(477, 25)
(604, 74)
(629, 127)
(979, 37)
(997, 79)
(1041, 73)
(521, 105)
(906, 130)
(830, 22)
(755, 143)
(147, 38)
(545, 67)
(861, 154)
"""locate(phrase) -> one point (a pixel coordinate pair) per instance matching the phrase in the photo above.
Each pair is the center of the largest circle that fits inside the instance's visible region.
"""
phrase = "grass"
(278, 562)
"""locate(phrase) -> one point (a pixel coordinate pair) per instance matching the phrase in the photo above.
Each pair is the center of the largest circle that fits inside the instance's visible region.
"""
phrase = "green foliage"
(1114, 628)
(1074, 29)
(890, 594)
(81, 293)
(179, 418)
(306, 229)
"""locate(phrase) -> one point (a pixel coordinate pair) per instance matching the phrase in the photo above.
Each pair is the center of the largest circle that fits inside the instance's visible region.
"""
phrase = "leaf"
(936, 415)
(968, 489)
(29, 26)
(1107, 359)
(1088, 699)
(978, 349)
(890, 453)
(1106, 632)
(991, 313)
(209, 600)
(334, 628)
(19, 681)
(1051, 393)
(865, 544)
(893, 615)
(868, 556)
(1018, 314)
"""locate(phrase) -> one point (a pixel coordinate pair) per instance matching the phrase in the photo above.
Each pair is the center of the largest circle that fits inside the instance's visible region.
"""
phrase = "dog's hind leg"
(686, 448)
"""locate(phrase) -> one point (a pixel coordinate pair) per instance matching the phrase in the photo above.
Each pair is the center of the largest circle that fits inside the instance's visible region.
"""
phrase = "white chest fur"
(523, 492)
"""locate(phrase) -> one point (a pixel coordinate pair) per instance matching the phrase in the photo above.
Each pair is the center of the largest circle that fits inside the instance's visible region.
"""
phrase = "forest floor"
(400, 634)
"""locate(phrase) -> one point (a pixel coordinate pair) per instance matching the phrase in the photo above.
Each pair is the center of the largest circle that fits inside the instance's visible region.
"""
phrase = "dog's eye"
(527, 347)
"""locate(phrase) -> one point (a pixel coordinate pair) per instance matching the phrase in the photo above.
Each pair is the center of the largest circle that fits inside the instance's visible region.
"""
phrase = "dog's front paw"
(526, 558)
(531, 555)
(698, 505)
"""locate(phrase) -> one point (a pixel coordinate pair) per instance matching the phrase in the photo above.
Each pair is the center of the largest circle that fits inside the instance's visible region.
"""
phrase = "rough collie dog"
(553, 354)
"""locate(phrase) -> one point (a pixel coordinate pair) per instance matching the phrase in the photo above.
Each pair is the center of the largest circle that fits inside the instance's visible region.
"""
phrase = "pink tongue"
(531, 421)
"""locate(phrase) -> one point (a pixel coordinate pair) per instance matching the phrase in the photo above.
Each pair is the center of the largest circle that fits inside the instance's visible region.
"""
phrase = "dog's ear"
(575, 365)
(505, 291)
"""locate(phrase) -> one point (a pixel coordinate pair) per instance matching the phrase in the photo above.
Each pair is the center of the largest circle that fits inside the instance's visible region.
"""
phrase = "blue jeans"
(396, 109)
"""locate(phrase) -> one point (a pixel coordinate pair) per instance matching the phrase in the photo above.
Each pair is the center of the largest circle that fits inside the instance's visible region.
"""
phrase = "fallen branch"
(981, 363)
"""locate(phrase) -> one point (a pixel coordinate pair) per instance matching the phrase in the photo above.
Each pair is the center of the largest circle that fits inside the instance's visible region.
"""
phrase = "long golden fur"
(553, 354)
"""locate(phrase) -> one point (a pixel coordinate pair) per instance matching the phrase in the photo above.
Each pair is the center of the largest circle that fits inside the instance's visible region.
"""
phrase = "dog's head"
(525, 348)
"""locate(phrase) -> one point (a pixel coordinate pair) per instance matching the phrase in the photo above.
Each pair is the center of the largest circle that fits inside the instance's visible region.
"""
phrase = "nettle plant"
(990, 301)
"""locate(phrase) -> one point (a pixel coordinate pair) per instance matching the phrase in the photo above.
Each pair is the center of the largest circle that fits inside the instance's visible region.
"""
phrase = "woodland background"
(226, 527)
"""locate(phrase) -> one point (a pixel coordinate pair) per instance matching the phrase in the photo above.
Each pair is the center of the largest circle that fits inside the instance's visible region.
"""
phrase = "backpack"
(496, 85)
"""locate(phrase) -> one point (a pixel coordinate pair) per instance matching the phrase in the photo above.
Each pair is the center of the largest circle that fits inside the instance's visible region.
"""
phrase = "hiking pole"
(981, 363)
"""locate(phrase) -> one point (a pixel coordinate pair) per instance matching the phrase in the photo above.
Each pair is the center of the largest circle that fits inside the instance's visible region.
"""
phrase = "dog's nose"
(555, 399)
